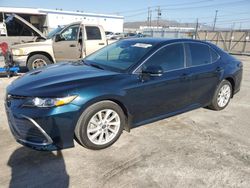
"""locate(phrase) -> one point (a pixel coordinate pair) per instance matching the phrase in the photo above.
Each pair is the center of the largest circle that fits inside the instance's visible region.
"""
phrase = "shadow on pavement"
(30, 168)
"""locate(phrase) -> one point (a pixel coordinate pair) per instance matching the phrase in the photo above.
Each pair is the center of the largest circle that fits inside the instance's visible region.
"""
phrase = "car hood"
(40, 44)
(58, 80)
(29, 25)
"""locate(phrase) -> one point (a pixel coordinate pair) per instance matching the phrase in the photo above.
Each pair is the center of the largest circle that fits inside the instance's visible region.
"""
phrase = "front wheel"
(100, 125)
(222, 96)
(37, 61)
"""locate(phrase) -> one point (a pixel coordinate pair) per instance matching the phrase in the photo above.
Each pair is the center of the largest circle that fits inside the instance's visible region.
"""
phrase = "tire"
(39, 59)
(216, 105)
(85, 132)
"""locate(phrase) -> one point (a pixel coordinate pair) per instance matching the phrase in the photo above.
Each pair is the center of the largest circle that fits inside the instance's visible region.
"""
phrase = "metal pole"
(148, 16)
(196, 28)
(215, 19)
(158, 16)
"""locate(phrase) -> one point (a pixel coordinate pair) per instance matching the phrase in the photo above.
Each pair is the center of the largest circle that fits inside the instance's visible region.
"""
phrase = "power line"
(235, 20)
(219, 16)
(207, 6)
(180, 4)
(165, 5)
(188, 7)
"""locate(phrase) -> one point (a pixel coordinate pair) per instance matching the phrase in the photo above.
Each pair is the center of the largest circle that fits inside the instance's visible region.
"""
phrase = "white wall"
(108, 23)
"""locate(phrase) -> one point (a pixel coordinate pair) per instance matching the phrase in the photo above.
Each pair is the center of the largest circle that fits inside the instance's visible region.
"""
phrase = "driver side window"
(70, 33)
(170, 57)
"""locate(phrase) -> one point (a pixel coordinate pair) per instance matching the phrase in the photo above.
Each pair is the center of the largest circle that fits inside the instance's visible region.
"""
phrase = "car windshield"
(119, 56)
(54, 32)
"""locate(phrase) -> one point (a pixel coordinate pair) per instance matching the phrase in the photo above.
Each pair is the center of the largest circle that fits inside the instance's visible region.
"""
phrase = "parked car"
(69, 43)
(124, 85)
(118, 36)
(109, 35)
(134, 35)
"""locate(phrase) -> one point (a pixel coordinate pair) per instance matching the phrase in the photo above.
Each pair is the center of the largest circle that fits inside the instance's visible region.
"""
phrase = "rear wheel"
(37, 61)
(222, 96)
(100, 125)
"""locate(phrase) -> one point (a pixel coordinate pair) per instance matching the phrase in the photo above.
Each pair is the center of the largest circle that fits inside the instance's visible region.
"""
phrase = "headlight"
(48, 102)
(18, 52)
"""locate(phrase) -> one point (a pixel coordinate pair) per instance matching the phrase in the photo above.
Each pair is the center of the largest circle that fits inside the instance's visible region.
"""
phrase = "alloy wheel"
(224, 95)
(103, 127)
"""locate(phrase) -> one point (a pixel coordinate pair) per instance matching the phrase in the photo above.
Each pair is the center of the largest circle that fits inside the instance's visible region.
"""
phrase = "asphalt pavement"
(201, 148)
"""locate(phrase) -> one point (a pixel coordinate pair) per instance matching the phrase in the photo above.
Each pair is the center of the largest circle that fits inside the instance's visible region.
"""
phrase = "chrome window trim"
(185, 59)
(49, 140)
(184, 54)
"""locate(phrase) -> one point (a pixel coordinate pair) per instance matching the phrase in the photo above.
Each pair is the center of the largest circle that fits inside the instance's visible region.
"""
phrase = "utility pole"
(233, 26)
(148, 16)
(196, 28)
(240, 26)
(158, 15)
(215, 19)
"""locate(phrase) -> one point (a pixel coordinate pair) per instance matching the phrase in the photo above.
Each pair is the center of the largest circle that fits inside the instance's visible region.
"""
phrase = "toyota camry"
(127, 84)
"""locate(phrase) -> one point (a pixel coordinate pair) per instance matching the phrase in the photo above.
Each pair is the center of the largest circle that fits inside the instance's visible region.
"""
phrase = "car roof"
(163, 40)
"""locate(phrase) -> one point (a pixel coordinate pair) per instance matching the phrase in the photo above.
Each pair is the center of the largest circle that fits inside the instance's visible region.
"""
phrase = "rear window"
(199, 54)
(214, 55)
(93, 33)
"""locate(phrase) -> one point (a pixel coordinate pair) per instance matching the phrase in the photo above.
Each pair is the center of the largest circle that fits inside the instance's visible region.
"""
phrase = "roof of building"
(38, 11)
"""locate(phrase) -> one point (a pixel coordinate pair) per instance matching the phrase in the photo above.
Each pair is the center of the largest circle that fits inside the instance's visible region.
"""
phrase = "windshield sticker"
(142, 45)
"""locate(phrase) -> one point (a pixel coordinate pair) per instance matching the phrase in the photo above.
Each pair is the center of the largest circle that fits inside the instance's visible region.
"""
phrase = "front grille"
(25, 130)
(28, 131)
(16, 97)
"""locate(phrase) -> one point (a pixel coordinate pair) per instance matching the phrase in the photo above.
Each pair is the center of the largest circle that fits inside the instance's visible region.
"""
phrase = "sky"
(231, 13)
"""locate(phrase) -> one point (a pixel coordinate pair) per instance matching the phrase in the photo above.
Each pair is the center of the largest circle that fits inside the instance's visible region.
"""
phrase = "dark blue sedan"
(129, 83)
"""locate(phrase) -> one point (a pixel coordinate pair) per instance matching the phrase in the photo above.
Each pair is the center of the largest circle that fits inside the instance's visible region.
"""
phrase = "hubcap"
(38, 63)
(103, 127)
(224, 95)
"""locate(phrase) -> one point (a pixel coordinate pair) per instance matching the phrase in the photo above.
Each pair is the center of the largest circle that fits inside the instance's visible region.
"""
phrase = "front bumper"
(42, 128)
(21, 60)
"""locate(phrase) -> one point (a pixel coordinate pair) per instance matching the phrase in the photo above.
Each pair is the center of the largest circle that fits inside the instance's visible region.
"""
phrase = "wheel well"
(120, 104)
(125, 110)
(40, 53)
(231, 80)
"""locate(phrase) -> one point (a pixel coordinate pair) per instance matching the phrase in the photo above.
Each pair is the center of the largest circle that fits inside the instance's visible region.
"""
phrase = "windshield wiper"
(96, 66)
(92, 65)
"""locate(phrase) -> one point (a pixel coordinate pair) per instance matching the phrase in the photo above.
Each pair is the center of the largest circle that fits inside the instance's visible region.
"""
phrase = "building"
(47, 19)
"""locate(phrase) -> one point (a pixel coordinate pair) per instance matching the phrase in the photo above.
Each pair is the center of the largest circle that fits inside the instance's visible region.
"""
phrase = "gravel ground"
(201, 148)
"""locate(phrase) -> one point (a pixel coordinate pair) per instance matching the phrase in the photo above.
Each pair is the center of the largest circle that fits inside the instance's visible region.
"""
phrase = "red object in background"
(4, 48)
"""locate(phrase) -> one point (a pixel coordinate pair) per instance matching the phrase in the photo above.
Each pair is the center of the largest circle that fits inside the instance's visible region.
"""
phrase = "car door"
(205, 71)
(94, 39)
(68, 46)
(164, 94)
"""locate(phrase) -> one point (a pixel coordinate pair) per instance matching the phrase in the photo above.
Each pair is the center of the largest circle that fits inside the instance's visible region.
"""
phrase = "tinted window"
(214, 55)
(199, 54)
(169, 58)
(93, 33)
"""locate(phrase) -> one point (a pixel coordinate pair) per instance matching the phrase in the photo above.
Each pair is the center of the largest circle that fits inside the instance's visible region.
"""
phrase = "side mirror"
(58, 37)
(153, 70)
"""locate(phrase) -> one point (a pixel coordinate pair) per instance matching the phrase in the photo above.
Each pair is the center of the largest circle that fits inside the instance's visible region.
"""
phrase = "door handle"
(101, 43)
(72, 45)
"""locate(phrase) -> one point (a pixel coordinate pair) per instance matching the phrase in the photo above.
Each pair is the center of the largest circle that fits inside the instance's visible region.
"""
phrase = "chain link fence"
(237, 42)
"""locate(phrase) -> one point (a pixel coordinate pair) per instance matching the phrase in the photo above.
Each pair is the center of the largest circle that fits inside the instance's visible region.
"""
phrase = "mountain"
(164, 24)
